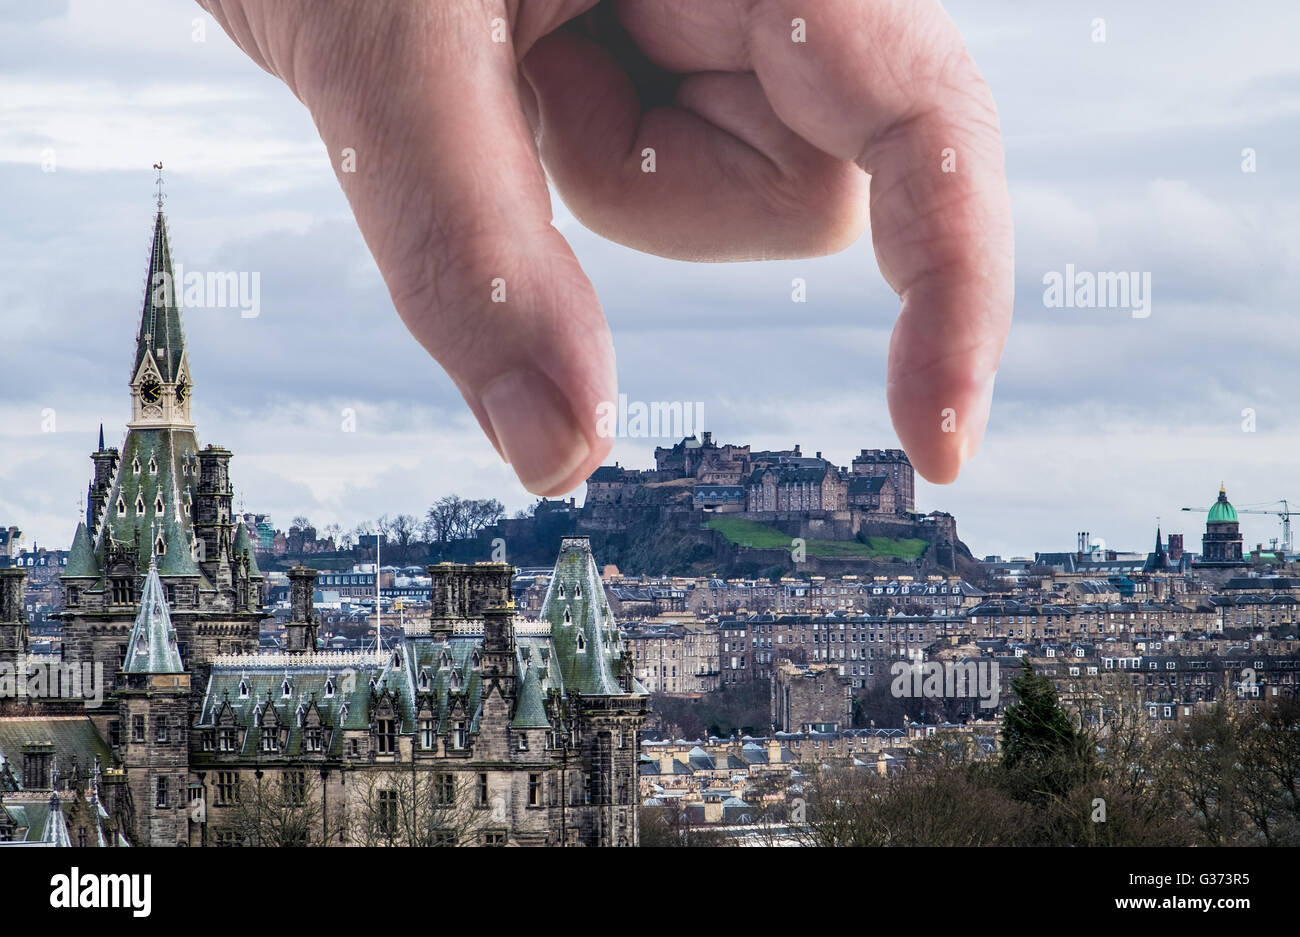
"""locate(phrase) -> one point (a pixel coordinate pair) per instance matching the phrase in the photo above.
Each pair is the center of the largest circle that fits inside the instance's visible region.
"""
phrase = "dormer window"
(561, 584)
(139, 504)
(396, 661)
(286, 688)
(121, 508)
(577, 591)
(568, 618)
(187, 508)
(153, 466)
(158, 505)
(160, 547)
(424, 680)
(329, 687)
(243, 689)
(135, 465)
(455, 680)
(582, 644)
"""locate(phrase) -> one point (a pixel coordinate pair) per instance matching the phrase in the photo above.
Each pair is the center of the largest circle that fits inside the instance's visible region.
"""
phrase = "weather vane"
(158, 166)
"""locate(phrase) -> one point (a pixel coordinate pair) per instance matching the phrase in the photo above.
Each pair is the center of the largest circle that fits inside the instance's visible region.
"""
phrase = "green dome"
(1221, 512)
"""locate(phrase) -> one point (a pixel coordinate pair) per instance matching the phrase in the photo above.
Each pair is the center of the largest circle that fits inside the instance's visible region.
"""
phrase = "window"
(523, 741)
(227, 740)
(270, 739)
(534, 790)
(458, 735)
(388, 812)
(137, 729)
(227, 787)
(161, 799)
(315, 738)
(160, 729)
(293, 788)
(445, 790)
(483, 790)
(494, 839)
(122, 591)
(387, 731)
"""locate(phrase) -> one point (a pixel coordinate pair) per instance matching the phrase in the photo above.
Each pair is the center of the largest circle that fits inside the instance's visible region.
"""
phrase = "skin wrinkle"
(452, 184)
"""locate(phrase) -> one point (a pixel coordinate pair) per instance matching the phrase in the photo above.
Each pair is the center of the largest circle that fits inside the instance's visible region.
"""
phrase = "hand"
(765, 147)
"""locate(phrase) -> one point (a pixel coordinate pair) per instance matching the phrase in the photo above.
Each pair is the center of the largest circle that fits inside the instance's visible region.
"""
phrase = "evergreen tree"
(1043, 754)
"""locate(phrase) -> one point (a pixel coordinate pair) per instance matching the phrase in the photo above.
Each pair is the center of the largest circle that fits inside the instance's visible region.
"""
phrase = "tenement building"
(474, 726)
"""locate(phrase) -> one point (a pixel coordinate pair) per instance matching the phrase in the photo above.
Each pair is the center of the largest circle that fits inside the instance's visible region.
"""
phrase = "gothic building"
(161, 494)
(475, 726)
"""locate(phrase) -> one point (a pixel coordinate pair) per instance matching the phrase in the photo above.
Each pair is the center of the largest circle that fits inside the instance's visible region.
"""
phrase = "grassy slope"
(762, 537)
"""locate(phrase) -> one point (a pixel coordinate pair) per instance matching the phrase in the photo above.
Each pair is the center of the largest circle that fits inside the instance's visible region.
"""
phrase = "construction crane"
(1284, 515)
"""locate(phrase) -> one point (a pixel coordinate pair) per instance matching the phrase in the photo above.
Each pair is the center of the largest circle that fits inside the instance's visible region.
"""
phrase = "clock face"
(151, 391)
(182, 391)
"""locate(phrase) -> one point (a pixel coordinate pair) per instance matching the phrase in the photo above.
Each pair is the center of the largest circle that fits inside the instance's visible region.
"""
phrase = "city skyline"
(1102, 421)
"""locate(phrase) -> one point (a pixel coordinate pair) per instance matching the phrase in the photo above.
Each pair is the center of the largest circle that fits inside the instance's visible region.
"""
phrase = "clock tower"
(160, 380)
(160, 498)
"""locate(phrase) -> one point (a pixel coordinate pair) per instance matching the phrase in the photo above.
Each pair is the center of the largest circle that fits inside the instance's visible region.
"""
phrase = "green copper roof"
(160, 337)
(530, 707)
(153, 494)
(583, 631)
(1221, 512)
(244, 543)
(81, 560)
(153, 648)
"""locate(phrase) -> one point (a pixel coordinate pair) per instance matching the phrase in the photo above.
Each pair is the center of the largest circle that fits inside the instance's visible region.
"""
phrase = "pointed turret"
(153, 648)
(244, 544)
(160, 338)
(81, 559)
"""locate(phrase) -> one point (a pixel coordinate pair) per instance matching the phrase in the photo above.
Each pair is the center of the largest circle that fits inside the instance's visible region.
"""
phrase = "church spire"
(160, 383)
(152, 648)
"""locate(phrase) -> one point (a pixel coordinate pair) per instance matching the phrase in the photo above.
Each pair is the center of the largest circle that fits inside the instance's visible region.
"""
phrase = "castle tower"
(13, 618)
(160, 496)
(300, 632)
(610, 704)
(153, 713)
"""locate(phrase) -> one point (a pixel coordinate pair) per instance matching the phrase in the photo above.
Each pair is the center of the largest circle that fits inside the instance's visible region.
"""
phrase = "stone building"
(473, 726)
(1221, 544)
(810, 698)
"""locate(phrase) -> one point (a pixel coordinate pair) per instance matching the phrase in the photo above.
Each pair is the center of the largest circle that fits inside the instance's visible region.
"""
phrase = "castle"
(734, 479)
(476, 726)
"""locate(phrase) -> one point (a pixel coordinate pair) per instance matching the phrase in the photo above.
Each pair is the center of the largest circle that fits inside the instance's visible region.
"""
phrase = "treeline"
(1228, 776)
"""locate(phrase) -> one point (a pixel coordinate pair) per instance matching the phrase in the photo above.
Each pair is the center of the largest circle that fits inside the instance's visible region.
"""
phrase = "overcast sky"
(1123, 155)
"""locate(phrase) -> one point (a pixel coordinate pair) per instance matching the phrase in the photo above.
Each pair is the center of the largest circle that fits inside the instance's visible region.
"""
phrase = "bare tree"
(284, 810)
(402, 531)
(401, 808)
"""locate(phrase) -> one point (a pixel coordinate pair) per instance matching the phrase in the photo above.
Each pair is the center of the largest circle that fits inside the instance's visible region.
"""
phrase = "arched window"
(329, 687)
(243, 689)
(568, 618)
(121, 507)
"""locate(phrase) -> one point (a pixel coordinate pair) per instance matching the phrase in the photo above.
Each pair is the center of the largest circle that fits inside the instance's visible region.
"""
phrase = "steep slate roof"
(160, 340)
(81, 559)
(583, 632)
(75, 739)
(244, 543)
(164, 455)
(153, 647)
(440, 676)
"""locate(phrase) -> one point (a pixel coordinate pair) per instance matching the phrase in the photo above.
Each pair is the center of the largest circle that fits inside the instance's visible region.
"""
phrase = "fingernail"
(981, 407)
(536, 428)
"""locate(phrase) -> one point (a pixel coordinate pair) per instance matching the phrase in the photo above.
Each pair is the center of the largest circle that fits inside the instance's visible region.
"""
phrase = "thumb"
(418, 105)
